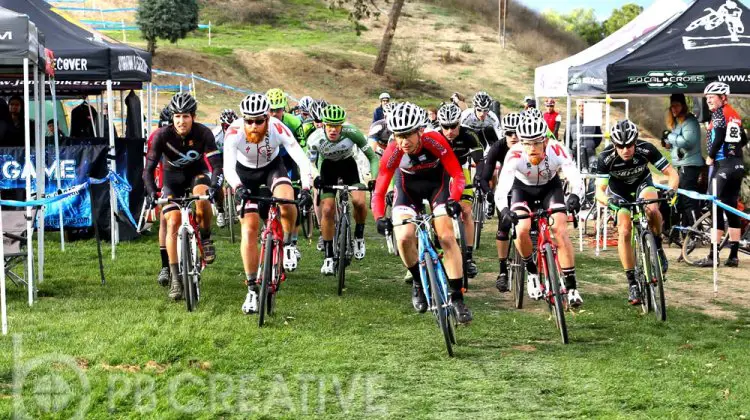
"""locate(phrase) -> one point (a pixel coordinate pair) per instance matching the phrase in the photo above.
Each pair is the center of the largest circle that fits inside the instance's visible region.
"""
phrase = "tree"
(620, 17)
(579, 21)
(166, 19)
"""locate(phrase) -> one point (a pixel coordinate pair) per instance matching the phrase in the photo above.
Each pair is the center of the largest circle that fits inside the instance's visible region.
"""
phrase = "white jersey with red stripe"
(517, 166)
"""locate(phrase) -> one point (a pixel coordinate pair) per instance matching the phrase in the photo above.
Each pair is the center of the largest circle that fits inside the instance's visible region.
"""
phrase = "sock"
(733, 248)
(175, 271)
(469, 252)
(359, 231)
(658, 240)
(164, 256)
(287, 238)
(530, 266)
(455, 286)
(416, 275)
(570, 277)
(251, 279)
(328, 248)
(504, 266)
(630, 274)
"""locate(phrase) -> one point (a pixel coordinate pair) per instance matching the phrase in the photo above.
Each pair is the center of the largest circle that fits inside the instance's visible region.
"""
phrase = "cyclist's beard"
(536, 160)
(254, 134)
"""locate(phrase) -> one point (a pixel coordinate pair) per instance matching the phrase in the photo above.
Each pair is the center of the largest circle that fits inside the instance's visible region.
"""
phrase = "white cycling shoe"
(221, 220)
(251, 302)
(297, 253)
(574, 298)
(327, 268)
(532, 285)
(290, 258)
(359, 248)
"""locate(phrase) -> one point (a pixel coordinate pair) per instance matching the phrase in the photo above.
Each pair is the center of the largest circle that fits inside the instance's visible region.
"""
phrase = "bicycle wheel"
(516, 272)
(186, 266)
(231, 212)
(655, 278)
(266, 273)
(342, 240)
(698, 237)
(439, 306)
(554, 282)
(306, 224)
(479, 217)
(641, 275)
(275, 281)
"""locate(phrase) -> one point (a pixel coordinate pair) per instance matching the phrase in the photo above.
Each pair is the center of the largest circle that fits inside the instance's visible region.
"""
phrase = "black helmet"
(183, 103)
(165, 117)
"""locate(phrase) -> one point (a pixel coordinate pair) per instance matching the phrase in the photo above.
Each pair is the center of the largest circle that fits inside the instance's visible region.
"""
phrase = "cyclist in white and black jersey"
(226, 118)
(529, 174)
(379, 135)
(251, 160)
(482, 120)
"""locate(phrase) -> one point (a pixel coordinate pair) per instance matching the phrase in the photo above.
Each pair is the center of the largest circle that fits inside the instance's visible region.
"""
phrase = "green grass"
(365, 353)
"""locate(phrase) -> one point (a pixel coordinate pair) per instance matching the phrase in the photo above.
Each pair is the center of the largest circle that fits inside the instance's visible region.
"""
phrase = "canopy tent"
(551, 80)
(702, 44)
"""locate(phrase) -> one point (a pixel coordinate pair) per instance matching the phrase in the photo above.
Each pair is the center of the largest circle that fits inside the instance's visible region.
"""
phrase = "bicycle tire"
(231, 212)
(185, 264)
(656, 278)
(516, 271)
(439, 307)
(554, 282)
(266, 272)
(276, 280)
(699, 237)
(479, 217)
(341, 246)
(307, 224)
(640, 273)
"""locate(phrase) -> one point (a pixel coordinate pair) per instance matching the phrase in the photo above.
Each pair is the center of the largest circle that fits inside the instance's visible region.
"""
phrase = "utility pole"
(502, 13)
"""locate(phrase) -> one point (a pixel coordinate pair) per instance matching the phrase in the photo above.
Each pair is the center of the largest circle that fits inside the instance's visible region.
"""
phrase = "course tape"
(88, 9)
(698, 196)
(114, 25)
(202, 79)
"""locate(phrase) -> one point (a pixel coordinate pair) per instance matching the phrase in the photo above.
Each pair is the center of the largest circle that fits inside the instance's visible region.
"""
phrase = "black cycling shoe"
(463, 314)
(471, 269)
(490, 209)
(705, 262)
(663, 260)
(502, 283)
(634, 297)
(732, 262)
(163, 278)
(418, 299)
(209, 252)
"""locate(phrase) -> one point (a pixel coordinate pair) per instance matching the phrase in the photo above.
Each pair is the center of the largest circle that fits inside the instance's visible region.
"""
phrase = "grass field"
(124, 350)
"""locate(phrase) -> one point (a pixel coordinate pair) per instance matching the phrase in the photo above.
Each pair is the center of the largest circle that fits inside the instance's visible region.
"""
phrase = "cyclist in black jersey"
(183, 148)
(626, 161)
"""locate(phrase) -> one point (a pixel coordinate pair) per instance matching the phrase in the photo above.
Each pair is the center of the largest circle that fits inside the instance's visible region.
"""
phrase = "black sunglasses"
(251, 121)
(449, 127)
(623, 146)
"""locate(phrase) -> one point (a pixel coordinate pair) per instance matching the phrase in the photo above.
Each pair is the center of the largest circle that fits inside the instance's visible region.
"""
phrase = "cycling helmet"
(405, 117)
(716, 88)
(482, 101)
(385, 95)
(255, 105)
(316, 109)
(510, 121)
(449, 114)
(333, 114)
(228, 116)
(277, 98)
(532, 113)
(532, 128)
(304, 103)
(183, 103)
(165, 117)
(624, 133)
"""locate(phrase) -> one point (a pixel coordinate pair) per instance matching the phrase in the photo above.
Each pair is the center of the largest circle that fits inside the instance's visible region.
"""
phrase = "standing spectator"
(683, 139)
(15, 135)
(591, 138)
(432, 116)
(51, 130)
(528, 102)
(552, 117)
(378, 115)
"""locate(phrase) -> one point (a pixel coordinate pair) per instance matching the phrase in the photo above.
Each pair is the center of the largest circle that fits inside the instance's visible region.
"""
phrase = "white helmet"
(532, 113)
(511, 121)
(305, 102)
(255, 105)
(531, 128)
(624, 133)
(482, 101)
(405, 117)
(716, 88)
(449, 114)
(385, 95)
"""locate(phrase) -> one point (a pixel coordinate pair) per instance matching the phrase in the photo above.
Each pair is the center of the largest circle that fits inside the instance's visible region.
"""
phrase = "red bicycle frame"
(541, 217)
(273, 228)
(197, 231)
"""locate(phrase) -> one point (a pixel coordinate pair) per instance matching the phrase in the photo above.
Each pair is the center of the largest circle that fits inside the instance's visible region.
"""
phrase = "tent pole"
(113, 168)
(122, 115)
(41, 166)
(58, 168)
(27, 158)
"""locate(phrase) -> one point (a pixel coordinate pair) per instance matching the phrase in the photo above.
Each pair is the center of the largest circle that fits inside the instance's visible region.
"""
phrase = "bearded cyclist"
(226, 118)
(252, 160)
(465, 144)
(425, 168)
(182, 149)
(529, 173)
(332, 147)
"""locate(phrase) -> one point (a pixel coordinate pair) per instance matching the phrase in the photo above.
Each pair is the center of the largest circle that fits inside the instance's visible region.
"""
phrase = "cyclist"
(332, 147)
(529, 173)
(379, 134)
(626, 162)
(252, 158)
(165, 119)
(494, 158)
(304, 108)
(226, 118)
(425, 168)
(316, 115)
(482, 120)
(725, 140)
(552, 117)
(465, 144)
(182, 148)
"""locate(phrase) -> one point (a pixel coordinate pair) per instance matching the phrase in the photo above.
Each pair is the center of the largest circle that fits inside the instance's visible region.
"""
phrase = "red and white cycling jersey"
(518, 167)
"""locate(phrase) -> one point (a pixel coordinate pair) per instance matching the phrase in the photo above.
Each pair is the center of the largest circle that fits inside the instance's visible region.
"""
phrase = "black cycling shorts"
(531, 197)
(269, 176)
(410, 190)
(181, 183)
(629, 192)
(728, 174)
(333, 170)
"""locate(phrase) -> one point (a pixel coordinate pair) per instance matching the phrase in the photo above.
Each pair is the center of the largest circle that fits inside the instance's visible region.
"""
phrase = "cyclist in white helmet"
(226, 118)
(482, 120)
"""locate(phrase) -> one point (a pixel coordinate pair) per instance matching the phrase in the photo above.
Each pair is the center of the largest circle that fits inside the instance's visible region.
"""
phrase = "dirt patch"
(524, 348)
(121, 368)
(198, 364)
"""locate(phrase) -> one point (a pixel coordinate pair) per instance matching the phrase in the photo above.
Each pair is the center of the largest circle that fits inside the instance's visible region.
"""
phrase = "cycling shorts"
(630, 192)
(333, 170)
(254, 179)
(728, 174)
(411, 190)
(528, 198)
(177, 183)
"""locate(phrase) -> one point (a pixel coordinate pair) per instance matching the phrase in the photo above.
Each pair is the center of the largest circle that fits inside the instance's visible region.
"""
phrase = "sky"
(602, 8)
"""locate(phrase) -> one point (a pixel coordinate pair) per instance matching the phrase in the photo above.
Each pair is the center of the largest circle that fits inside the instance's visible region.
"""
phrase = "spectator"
(378, 114)
(432, 116)
(459, 100)
(683, 139)
(591, 138)
(51, 129)
(4, 120)
(15, 136)
(528, 102)
(552, 117)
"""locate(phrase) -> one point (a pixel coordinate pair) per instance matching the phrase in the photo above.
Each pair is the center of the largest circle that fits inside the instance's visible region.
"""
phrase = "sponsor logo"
(6, 36)
(593, 81)
(13, 170)
(132, 63)
(71, 64)
(667, 79)
(729, 16)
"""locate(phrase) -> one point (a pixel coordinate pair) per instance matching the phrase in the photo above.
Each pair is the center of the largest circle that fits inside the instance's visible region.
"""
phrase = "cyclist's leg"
(175, 184)
(730, 194)
(203, 212)
(249, 241)
(467, 214)
(327, 228)
(294, 176)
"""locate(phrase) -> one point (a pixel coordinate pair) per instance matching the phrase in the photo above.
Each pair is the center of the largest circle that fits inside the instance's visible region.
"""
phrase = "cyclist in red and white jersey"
(529, 173)
(252, 160)
(425, 167)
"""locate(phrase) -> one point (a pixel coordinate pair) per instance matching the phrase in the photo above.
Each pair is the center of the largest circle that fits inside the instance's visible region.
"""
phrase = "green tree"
(166, 19)
(579, 21)
(620, 17)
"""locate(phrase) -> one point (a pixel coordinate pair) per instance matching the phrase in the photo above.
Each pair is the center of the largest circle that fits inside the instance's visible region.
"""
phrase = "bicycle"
(343, 244)
(550, 283)
(306, 221)
(648, 272)
(699, 236)
(190, 255)
(479, 213)
(231, 211)
(390, 239)
(434, 280)
(270, 269)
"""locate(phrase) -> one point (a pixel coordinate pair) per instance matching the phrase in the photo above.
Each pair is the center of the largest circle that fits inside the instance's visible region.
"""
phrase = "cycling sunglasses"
(449, 127)
(624, 146)
(259, 121)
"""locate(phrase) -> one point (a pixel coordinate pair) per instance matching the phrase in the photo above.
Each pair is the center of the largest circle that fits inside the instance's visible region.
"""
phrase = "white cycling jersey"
(517, 166)
(237, 150)
(219, 136)
(470, 120)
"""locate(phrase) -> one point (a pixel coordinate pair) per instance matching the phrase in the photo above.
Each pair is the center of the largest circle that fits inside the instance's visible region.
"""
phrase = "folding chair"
(14, 245)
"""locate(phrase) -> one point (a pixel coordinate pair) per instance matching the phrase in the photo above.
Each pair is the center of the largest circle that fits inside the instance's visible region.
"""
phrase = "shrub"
(466, 48)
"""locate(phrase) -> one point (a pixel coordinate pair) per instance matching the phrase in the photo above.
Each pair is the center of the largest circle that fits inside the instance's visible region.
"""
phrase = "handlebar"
(181, 200)
(272, 200)
(641, 202)
(542, 213)
(345, 188)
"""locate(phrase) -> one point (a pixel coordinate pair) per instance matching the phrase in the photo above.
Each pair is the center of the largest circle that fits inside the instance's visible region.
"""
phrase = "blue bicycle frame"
(426, 250)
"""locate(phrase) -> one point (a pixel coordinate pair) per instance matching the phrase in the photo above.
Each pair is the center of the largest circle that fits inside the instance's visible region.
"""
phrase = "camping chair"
(14, 245)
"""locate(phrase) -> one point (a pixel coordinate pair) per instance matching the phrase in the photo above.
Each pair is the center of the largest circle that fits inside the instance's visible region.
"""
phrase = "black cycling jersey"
(632, 172)
(178, 154)
(466, 145)
(495, 155)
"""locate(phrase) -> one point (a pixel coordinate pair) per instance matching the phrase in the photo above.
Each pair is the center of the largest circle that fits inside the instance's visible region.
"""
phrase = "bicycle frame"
(271, 227)
(543, 238)
(188, 226)
(426, 250)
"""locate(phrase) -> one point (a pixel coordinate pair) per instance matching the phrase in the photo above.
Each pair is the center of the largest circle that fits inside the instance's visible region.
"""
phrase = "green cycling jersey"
(320, 148)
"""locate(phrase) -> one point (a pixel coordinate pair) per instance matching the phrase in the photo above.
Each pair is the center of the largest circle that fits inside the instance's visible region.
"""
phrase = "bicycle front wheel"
(655, 277)
(265, 284)
(516, 270)
(698, 237)
(342, 241)
(231, 212)
(554, 281)
(439, 306)
(186, 267)
(479, 217)
(306, 224)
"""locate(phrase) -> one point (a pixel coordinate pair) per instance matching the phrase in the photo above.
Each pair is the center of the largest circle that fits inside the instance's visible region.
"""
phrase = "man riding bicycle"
(182, 149)
(332, 147)
(482, 120)
(425, 167)
(465, 144)
(529, 173)
(226, 118)
(252, 160)
(626, 162)
(379, 134)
